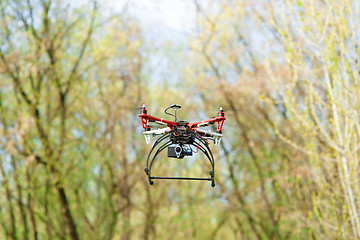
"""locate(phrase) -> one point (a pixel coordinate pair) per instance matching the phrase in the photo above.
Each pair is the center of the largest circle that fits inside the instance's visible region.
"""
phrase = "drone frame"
(198, 138)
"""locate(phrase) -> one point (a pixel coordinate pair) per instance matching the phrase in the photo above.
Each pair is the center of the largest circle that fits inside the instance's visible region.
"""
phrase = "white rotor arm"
(159, 131)
(216, 136)
(161, 123)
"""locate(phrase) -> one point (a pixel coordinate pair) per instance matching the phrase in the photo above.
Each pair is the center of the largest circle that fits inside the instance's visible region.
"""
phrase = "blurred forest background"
(73, 74)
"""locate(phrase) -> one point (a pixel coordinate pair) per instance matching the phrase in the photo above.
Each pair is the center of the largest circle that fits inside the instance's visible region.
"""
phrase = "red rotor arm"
(219, 120)
(145, 118)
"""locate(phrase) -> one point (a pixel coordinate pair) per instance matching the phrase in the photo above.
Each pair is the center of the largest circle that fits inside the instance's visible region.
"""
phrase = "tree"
(320, 100)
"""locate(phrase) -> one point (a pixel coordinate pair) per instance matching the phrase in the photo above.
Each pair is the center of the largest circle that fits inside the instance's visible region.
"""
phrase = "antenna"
(175, 107)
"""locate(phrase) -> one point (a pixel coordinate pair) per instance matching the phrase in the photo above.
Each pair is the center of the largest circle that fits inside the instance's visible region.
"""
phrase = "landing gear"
(165, 141)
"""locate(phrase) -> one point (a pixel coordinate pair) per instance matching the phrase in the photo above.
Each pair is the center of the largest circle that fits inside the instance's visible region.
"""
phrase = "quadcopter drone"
(180, 137)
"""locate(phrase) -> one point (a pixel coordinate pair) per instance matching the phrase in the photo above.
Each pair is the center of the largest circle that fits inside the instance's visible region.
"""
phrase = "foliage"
(71, 150)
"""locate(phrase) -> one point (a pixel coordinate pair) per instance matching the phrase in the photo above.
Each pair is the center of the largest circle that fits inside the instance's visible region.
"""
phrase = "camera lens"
(178, 149)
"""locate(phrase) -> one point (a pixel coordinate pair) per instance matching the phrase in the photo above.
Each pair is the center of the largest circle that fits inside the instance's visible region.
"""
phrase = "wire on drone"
(197, 149)
(203, 138)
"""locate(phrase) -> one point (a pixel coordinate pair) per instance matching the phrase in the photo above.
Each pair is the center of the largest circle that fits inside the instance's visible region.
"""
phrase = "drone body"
(184, 135)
